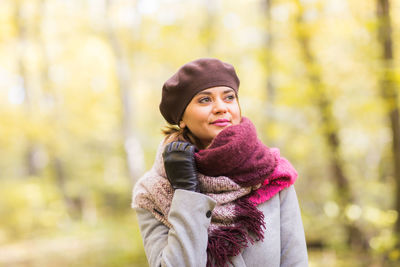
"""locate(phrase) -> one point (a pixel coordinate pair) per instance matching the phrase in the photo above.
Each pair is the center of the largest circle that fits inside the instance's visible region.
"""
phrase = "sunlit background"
(80, 84)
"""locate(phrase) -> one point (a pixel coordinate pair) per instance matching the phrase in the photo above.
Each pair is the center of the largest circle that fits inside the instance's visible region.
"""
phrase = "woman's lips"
(221, 122)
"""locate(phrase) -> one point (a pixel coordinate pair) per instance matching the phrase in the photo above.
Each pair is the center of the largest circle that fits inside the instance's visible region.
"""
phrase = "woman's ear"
(182, 125)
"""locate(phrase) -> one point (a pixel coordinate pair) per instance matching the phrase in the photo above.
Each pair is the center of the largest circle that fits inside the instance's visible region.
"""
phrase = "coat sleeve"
(186, 243)
(293, 243)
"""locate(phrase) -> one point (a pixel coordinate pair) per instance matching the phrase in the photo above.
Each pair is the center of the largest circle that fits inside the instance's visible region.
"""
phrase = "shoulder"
(152, 176)
(282, 202)
(288, 196)
(142, 186)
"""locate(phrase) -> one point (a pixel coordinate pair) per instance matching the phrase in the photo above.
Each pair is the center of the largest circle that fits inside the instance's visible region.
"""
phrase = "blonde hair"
(176, 133)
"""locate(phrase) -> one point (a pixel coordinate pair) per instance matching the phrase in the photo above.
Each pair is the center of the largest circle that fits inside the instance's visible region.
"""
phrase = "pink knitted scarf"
(239, 173)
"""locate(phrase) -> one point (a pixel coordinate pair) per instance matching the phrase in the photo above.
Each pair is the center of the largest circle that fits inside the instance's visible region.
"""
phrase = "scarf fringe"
(224, 243)
(228, 241)
(250, 218)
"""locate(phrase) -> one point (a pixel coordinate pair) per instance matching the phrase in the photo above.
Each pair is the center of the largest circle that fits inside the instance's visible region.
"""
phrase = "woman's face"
(211, 111)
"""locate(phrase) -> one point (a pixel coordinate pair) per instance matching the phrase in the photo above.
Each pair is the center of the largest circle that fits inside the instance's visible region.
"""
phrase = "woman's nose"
(219, 106)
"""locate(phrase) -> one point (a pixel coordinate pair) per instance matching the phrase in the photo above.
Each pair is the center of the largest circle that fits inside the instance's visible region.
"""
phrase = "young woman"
(216, 196)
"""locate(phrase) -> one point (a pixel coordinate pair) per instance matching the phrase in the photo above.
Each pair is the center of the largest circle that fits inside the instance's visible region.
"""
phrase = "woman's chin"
(217, 132)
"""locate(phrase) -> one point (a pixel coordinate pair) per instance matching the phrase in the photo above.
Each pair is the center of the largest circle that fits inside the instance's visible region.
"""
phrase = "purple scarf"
(237, 153)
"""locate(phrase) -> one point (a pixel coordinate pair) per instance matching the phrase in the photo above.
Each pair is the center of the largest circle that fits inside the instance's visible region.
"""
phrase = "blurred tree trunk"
(208, 31)
(267, 61)
(74, 205)
(23, 84)
(131, 144)
(389, 93)
(330, 131)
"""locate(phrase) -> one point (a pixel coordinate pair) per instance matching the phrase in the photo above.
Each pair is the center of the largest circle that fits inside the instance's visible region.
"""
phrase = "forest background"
(80, 84)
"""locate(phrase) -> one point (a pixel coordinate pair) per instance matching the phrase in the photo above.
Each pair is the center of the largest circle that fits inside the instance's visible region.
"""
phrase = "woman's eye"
(204, 100)
(230, 97)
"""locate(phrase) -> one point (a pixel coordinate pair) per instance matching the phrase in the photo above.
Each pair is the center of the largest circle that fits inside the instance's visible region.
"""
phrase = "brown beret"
(191, 78)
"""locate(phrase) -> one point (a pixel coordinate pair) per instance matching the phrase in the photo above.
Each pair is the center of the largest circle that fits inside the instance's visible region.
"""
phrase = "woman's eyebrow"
(204, 93)
(209, 93)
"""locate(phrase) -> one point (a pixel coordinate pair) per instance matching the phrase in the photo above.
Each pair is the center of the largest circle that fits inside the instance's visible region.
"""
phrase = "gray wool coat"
(185, 245)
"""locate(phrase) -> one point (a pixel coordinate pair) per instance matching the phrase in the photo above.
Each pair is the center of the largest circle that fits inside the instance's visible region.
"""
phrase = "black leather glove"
(180, 165)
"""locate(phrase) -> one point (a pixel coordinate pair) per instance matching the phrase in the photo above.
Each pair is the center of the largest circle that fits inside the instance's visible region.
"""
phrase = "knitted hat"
(191, 78)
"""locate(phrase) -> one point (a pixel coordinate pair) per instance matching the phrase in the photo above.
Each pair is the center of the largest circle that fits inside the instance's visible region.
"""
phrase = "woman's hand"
(180, 165)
